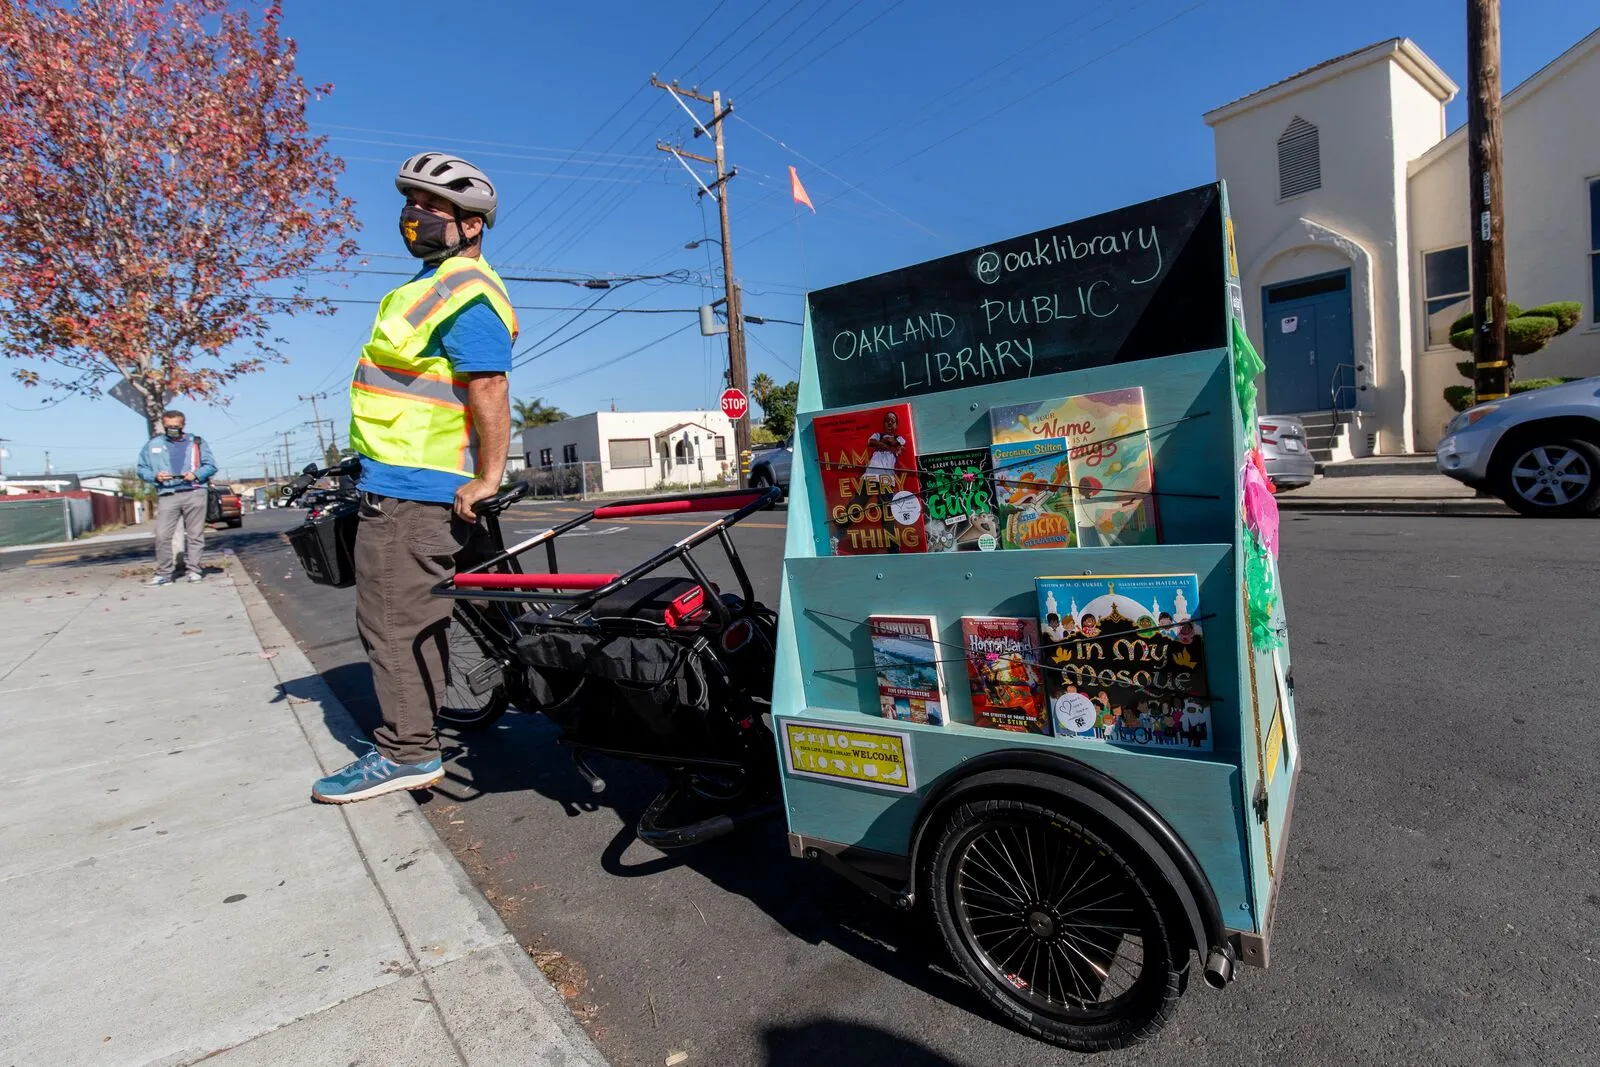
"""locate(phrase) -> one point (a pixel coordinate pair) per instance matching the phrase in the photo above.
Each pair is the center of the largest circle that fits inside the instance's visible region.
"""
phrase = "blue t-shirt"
(476, 342)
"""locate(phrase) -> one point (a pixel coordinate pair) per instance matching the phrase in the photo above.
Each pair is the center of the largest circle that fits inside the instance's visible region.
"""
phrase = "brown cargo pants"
(403, 549)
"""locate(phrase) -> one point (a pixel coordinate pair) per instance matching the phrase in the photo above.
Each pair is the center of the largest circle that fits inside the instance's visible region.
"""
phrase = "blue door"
(1310, 346)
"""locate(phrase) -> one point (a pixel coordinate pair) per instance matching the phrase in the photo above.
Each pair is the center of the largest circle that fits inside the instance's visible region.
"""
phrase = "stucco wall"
(1551, 147)
(1368, 119)
(593, 432)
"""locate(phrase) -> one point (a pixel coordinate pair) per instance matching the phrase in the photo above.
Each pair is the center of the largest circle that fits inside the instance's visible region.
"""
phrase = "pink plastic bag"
(1260, 508)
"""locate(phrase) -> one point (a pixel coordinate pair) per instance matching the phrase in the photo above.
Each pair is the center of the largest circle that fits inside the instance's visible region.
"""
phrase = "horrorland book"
(905, 655)
(1124, 660)
(1033, 494)
(1003, 670)
(958, 501)
(1108, 464)
(869, 480)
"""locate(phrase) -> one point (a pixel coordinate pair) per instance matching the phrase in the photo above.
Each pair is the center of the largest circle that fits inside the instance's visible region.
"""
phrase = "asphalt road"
(1440, 902)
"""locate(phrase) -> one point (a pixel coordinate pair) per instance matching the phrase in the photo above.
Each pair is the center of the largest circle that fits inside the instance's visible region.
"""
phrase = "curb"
(1447, 506)
(83, 542)
(496, 1006)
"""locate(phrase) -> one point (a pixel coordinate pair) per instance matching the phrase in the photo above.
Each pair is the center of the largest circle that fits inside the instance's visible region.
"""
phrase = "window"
(629, 452)
(722, 448)
(684, 451)
(1447, 290)
(1594, 251)
(569, 453)
(544, 458)
(1299, 159)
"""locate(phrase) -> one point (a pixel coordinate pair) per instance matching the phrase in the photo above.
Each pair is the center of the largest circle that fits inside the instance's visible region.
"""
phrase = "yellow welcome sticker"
(875, 758)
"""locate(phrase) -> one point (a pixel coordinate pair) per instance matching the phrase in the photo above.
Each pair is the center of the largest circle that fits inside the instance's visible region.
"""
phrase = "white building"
(1349, 203)
(630, 451)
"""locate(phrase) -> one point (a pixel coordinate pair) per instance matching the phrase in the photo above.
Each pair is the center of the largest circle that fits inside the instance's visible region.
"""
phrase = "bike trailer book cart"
(1075, 867)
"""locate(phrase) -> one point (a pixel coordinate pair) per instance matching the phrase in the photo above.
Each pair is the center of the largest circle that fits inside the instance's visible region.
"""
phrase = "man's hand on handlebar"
(472, 494)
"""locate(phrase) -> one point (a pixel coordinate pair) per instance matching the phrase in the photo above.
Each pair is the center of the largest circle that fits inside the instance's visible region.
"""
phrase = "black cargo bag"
(327, 548)
(213, 505)
(636, 694)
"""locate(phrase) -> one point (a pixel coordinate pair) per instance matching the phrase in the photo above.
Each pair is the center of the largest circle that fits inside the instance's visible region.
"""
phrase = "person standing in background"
(179, 465)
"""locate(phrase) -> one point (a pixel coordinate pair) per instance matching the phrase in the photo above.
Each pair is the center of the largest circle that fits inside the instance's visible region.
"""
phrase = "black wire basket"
(327, 547)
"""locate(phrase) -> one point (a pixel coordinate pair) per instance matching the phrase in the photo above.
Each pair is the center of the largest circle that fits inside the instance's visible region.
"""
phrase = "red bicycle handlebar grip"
(534, 581)
(676, 507)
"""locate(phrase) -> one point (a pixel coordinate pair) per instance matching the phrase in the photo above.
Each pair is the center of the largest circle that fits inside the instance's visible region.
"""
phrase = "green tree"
(330, 456)
(526, 414)
(132, 487)
(1526, 333)
(778, 404)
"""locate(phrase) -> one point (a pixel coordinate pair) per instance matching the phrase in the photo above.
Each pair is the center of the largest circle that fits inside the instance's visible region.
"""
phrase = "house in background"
(632, 451)
(1349, 203)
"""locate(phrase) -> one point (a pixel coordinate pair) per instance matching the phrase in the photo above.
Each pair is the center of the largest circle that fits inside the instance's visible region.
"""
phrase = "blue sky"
(919, 127)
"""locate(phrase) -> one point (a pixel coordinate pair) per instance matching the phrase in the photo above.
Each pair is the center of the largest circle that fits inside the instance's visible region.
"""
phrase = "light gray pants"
(190, 509)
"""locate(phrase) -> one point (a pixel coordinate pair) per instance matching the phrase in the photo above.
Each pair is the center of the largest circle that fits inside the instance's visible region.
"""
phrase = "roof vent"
(1299, 159)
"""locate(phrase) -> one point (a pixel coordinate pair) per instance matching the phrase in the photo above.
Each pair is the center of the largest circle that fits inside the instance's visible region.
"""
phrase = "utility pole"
(738, 372)
(1491, 365)
(288, 464)
(3, 442)
(266, 467)
(317, 420)
(47, 469)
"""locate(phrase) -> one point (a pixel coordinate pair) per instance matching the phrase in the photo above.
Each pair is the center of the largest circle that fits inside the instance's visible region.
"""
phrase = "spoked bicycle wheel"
(475, 693)
(1055, 927)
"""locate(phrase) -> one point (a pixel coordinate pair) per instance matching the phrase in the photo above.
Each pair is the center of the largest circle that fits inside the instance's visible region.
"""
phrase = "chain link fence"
(569, 480)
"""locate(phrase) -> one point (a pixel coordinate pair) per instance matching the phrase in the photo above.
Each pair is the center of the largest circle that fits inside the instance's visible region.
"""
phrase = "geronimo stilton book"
(1108, 459)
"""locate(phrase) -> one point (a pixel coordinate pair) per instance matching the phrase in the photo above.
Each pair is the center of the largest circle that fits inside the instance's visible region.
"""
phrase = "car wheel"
(760, 479)
(1550, 478)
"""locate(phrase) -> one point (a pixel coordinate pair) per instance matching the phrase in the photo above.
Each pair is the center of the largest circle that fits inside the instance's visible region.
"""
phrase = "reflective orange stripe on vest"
(457, 282)
(376, 378)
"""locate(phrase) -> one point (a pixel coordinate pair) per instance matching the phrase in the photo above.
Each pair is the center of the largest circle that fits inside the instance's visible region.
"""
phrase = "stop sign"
(735, 404)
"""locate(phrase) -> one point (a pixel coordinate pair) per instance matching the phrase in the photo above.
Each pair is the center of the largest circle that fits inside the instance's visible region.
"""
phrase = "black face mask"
(173, 432)
(426, 235)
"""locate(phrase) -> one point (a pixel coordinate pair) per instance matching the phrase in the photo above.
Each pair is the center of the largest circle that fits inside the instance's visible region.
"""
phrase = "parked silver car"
(1538, 451)
(770, 466)
(1290, 464)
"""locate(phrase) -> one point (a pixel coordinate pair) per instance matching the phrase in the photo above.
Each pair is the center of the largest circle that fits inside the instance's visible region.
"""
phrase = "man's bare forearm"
(489, 401)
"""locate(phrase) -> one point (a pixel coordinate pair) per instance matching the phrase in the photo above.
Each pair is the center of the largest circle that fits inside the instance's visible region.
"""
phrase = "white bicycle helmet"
(452, 178)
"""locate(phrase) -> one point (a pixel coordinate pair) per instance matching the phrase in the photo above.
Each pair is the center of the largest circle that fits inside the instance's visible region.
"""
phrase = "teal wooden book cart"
(1076, 881)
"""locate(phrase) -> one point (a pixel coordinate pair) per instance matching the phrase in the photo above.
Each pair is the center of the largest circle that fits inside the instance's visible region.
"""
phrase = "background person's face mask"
(173, 432)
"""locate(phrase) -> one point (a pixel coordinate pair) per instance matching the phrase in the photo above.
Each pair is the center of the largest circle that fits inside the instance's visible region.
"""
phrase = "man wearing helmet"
(430, 415)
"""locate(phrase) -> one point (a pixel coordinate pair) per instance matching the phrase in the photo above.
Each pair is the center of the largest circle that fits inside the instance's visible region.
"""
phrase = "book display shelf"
(1146, 296)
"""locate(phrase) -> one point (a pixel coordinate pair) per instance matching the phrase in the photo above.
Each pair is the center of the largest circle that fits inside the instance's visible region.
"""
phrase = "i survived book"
(1003, 670)
(1124, 659)
(1033, 494)
(1109, 459)
(869, 480)
(905, 654)
(958, 501)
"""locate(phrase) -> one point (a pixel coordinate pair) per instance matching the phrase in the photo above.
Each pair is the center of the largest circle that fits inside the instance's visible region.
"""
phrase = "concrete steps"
(1383, 466)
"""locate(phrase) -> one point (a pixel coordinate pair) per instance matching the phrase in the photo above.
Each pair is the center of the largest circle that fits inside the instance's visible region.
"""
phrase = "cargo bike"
(1080, 876)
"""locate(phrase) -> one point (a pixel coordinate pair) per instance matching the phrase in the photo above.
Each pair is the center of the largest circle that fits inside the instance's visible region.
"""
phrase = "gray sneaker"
(159, 580)
(196, 576)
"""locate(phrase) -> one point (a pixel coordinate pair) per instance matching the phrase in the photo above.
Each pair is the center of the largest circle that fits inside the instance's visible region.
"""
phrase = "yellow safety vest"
(408, 409)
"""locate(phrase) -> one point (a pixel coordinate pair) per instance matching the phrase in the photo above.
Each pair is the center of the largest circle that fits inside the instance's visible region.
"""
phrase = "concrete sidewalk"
(169, 894)
(1397, 494)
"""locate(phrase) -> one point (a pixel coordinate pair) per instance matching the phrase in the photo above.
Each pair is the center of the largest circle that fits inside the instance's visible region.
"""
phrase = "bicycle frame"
(501, 578)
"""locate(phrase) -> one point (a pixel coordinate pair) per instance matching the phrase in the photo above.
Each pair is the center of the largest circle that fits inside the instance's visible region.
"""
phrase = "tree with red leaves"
(162, 199)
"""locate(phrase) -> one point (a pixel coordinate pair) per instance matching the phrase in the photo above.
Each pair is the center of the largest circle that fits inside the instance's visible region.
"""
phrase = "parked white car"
(770, 466)
(1538, 451)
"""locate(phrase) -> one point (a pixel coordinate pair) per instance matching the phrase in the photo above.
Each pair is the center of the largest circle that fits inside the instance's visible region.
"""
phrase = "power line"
(773, 78)
(616, 359)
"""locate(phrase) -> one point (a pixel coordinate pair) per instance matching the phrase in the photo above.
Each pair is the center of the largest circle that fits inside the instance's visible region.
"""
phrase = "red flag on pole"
(798, 191)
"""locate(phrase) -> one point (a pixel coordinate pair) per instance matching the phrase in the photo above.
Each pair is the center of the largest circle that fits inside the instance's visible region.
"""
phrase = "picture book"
(1033, 495)
(958, 501)
(1109, 460)
(1003, 670)
(870, 482)
(905, 654)
(1124, 660)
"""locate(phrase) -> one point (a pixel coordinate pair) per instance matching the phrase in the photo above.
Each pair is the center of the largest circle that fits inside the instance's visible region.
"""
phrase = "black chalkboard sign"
(1136, 283)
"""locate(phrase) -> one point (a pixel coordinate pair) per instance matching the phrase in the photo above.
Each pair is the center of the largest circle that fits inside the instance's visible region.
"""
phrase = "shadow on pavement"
(840, 1042)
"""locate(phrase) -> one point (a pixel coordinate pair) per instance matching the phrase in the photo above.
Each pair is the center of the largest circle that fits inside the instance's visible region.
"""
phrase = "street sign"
(126, 394)
(735, 404)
